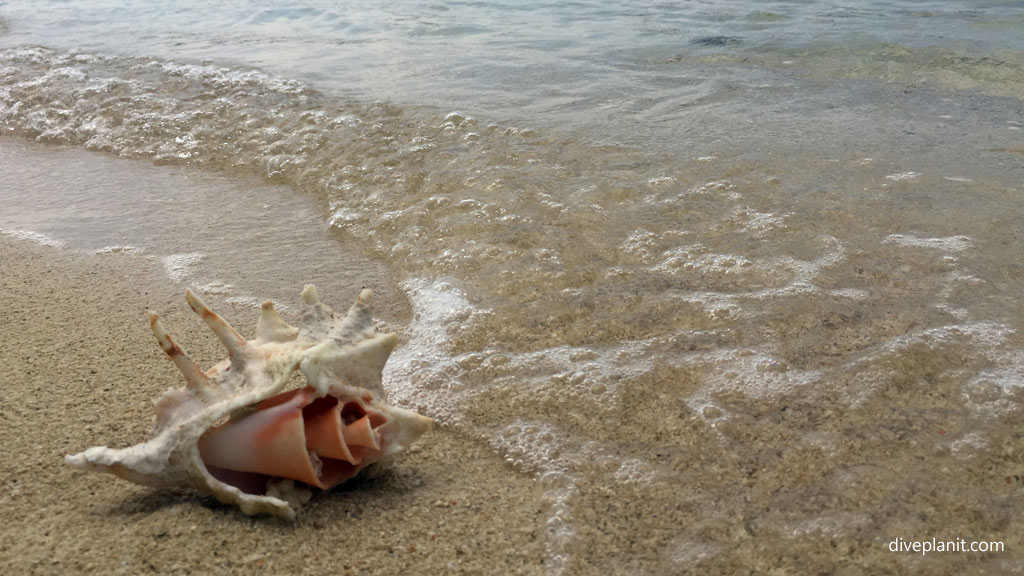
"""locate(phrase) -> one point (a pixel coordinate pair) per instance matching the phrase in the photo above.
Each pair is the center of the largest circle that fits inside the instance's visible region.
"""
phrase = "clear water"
(738, 282)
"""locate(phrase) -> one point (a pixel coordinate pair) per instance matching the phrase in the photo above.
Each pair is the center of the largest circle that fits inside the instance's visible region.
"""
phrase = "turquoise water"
(762, 251)
(664, 75)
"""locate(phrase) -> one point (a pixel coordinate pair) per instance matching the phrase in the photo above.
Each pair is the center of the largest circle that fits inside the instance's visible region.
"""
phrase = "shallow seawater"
(738, 283)
(199, 227)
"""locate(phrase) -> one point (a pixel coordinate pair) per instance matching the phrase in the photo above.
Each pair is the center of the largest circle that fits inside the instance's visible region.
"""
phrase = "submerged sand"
(80, 368)
(871, 419)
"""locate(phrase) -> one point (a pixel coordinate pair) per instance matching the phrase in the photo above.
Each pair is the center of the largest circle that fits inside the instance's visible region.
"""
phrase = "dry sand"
(80, 368)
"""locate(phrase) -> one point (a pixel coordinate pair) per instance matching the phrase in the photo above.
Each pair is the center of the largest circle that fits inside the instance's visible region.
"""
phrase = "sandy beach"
(712, 288)
(80, 368)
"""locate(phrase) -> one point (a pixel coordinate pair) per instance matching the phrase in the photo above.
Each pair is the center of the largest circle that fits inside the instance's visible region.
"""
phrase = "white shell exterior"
(341, 356)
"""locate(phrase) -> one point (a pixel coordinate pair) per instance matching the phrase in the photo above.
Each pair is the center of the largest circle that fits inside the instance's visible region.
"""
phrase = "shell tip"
(270, 326)
(194, 302)
(309, 295)
(365, 296)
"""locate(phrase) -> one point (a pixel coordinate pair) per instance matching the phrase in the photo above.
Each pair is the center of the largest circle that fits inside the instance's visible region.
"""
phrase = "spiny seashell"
(234, 431)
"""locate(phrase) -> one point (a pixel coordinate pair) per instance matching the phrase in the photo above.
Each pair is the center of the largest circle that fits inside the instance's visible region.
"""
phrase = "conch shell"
(235, 432)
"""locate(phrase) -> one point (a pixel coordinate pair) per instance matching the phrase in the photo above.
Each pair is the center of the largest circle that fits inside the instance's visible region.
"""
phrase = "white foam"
(986, 339)
(987, 392)
(711, 187)
(228, 77)
(837, 525)
(902, 176)
(345, 120)
(758, 223)
(179, 266)
(422, 372)
(244, 300)
(634, 471)
(754, 374)
(37, 237)
(420, 144)
(539, 447)
(659, 180)
(952, 281)
(851, 293)
(457, 119)
(424, 375)
(802, 275)
(690, 552)
(216, 287)
(948, 244)
(131, 250)
(342, 217)
(641, 244)
(968, 445)
(581, 371)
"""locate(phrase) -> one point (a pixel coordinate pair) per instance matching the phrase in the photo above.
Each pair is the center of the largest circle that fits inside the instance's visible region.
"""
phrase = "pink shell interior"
(319, 441)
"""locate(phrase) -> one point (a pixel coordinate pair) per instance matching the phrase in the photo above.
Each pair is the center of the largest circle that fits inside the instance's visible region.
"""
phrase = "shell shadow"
(151, 500)
(364, 490)
(353, 495)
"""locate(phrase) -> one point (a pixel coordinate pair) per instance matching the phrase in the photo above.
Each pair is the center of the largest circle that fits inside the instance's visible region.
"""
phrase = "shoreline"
(738, 359)
(81, 369)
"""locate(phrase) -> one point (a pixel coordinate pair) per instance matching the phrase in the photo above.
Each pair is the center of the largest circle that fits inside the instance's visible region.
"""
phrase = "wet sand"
(80, 368)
